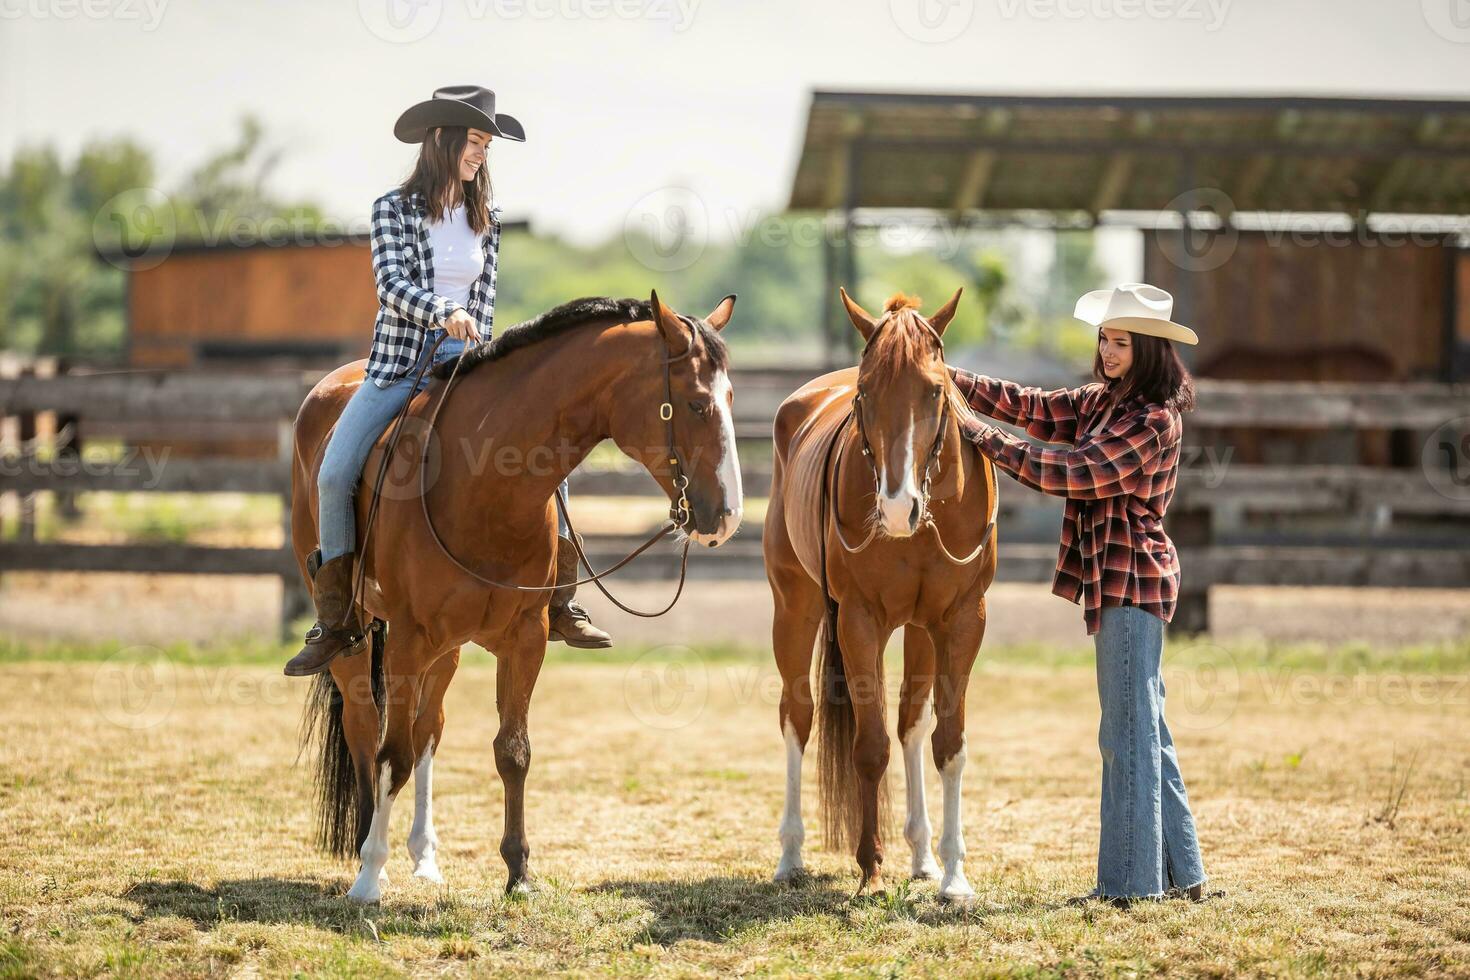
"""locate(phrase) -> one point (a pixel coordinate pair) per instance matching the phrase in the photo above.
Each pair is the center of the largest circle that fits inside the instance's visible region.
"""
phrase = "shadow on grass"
(718, 909)
(294, 901)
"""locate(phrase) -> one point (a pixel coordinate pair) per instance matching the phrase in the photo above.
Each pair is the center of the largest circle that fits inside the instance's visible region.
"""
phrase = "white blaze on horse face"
(727, 470)
(896, 503)
(954, 886)
(792, 833)
(375, 848)
(423, 842)
(916, 829)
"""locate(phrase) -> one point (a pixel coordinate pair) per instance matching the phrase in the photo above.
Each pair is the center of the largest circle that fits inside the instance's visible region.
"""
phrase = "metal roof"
(1090, 154)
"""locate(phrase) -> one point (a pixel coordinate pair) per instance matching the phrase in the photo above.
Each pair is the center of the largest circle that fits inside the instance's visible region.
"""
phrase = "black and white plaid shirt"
(403, 266)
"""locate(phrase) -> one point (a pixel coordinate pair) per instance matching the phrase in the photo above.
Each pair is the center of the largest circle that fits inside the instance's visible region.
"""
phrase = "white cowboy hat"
(1136, 307)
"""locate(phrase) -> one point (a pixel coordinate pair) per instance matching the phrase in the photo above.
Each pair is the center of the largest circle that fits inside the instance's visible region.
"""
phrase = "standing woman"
(435, 251)
(1118, 477)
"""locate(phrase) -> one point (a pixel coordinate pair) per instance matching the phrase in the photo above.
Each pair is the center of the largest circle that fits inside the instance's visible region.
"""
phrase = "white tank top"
(459, 256)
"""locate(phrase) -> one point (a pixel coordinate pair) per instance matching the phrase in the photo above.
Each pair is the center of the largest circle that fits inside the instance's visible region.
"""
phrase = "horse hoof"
(794, 877)
(927, 872)
(962, 898)
(365, 895)
(429, 872)
(520, 889)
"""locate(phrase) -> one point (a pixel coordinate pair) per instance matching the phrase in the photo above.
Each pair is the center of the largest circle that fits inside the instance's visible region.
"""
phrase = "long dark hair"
(436, 170)
(1157, 374)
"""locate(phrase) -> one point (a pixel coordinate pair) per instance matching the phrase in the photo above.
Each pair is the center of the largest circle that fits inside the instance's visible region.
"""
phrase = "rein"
(680, 515)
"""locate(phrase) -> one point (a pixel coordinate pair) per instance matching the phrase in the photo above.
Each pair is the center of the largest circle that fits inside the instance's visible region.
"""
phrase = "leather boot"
(569, 621)
(338, 629)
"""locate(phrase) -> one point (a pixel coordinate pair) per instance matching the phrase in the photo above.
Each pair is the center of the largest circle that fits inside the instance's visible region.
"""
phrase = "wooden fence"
(192, 407)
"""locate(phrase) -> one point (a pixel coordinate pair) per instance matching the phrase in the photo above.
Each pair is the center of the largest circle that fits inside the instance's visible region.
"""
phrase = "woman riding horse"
(435, 248)
(1118, 476)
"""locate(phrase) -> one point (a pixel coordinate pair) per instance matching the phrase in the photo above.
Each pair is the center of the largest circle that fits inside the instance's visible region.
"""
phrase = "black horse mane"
(574, 313)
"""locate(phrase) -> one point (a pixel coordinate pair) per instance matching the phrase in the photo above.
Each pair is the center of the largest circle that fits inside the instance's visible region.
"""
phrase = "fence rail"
(152, 408)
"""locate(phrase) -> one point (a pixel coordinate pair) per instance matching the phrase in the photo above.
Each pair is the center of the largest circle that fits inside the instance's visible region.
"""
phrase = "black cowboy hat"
(457, 105)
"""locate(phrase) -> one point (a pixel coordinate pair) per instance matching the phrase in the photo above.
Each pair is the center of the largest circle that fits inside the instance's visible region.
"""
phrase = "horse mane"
(574, 313)
(903, 339)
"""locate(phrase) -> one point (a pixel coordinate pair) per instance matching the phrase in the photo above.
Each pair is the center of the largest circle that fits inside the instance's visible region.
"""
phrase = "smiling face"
(1115, 350)
(472, 157)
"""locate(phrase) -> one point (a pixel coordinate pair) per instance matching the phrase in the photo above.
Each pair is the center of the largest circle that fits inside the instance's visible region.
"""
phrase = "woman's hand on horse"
(461, 326)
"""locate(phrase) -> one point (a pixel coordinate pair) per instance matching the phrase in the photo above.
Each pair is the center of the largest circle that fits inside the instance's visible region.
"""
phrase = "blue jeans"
(1148, 841)
(369, 412)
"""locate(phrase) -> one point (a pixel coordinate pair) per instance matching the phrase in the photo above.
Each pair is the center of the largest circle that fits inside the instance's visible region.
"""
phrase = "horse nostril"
(914, 514)
(727, 512)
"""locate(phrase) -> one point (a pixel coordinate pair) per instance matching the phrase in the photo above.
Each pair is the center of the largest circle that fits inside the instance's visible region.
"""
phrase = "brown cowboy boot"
(569, 621)
(338, 629)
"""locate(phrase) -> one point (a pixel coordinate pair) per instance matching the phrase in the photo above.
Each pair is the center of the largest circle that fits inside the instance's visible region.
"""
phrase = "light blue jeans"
(1148, 842)
(369, 412)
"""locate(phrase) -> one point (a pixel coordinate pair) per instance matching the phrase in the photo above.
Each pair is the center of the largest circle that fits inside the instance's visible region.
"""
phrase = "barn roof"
(1090, 154)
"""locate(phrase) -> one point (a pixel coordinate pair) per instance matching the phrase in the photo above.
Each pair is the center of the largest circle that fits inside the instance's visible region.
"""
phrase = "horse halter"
(932, 459)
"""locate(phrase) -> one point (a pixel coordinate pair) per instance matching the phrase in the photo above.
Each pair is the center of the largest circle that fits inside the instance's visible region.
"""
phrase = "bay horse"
(926, 561)
(527, 407)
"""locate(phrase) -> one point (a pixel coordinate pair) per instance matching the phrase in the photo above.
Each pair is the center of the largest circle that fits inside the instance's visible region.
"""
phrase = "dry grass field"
(154, 824)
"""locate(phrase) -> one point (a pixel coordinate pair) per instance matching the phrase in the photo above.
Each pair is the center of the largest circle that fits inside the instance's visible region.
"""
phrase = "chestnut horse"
(525, 409)
(856, 451)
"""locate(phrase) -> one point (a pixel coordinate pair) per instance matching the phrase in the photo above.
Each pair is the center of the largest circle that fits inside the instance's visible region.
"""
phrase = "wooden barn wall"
(1281, 309)
(252, 294)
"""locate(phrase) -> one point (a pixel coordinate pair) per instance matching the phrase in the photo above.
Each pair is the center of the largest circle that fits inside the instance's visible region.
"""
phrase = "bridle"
(680, 514)
(931, 462)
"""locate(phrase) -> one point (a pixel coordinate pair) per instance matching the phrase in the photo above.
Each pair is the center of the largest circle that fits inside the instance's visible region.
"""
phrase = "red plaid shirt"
(1118, 484)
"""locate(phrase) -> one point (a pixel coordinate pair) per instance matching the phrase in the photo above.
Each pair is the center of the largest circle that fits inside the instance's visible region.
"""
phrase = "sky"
(627, 101)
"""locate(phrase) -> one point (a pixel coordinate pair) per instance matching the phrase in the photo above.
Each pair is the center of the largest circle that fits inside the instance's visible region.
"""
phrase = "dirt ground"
(161, 609)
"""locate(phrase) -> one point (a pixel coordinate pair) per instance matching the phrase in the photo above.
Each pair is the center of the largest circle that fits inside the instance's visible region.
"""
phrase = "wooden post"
(1191, 531)
(295, 601)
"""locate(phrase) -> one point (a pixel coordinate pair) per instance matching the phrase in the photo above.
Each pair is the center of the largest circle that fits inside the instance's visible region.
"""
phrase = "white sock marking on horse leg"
(727, 470)
(374, 853)
(952, 844)
(793, 834)
(423, 843)
(916, 829)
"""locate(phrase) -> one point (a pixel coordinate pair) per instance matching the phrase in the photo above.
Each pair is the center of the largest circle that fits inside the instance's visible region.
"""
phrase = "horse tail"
(836, 724)
(339, 824)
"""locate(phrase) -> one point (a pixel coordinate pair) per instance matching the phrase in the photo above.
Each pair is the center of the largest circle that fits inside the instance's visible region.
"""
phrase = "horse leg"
(798, 617)
(403, 664)
(915, 717)
(518, 663)
(956, 647)
(428, 733)
(862, 643)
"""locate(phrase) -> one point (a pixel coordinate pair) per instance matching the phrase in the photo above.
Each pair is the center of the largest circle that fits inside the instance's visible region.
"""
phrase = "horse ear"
(668, 324)
(721, 314)
(945, 313)
(865, 324)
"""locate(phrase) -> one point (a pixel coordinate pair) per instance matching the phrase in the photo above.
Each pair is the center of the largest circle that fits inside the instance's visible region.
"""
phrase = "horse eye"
(938, 390)
(700, 409)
